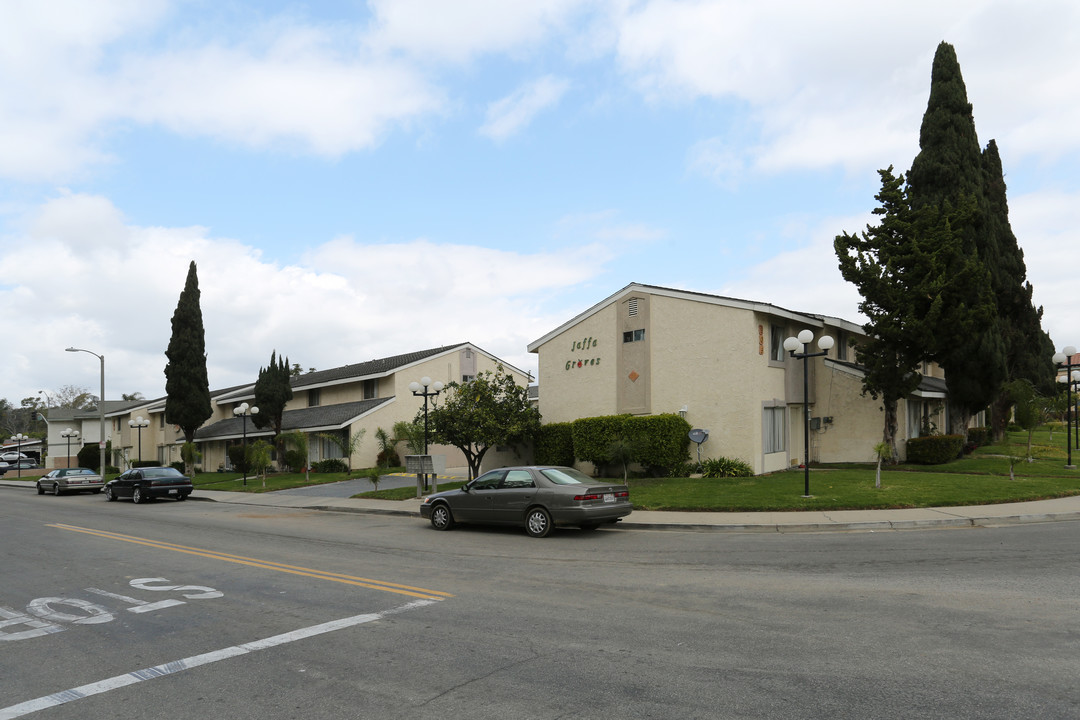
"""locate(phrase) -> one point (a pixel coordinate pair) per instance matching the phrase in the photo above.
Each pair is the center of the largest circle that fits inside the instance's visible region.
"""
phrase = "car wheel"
(538, 522)
(40, 490)
(441, 517)
(137, 495)
(56, 489)
(181, 496)
(109, 494)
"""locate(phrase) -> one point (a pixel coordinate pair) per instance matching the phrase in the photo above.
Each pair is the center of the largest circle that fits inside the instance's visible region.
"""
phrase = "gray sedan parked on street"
(536, 497)
(64, 480)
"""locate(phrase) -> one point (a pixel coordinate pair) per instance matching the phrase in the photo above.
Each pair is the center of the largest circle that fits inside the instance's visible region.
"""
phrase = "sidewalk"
(810, 521)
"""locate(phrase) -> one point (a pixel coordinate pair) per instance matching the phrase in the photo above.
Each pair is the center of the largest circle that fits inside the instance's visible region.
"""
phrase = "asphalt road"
(195, 610)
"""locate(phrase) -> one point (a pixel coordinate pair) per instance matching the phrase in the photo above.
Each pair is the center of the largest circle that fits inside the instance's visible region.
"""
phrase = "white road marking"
(119, 681)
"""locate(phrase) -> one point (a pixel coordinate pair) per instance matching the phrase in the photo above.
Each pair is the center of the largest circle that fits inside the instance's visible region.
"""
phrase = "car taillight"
(591, 496)
(624, 493)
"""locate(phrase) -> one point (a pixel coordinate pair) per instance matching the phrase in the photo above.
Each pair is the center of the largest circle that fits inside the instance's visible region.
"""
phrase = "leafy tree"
(386, 448)
(882, 451)
(347, 442)
(410, 433)
(132, 397)
(490, 410)
(299, 440)
(273, 391)
(622, 452)
(259, 458)
(882, 263)
(187, 388)
(71, 396)
(1029, 407)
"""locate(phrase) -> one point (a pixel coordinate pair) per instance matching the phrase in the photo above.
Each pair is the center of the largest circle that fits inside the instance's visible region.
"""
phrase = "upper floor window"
(371, 389)
(633, 336)
(467, 378)
(313, 397)
(776, 343)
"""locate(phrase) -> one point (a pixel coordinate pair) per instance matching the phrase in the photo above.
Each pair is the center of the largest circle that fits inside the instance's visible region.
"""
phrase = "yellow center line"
(265, 564)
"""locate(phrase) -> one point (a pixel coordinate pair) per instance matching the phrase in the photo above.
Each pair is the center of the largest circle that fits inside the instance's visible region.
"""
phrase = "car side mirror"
(466, 487)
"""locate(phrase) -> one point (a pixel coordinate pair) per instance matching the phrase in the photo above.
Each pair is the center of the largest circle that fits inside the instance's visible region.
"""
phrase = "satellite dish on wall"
(698, 435)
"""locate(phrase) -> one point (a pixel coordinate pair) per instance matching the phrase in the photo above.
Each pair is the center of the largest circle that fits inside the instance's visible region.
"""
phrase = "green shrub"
(555, 444)
(722, 467)
(934, 450)
(89, 457)
(295, 459)
(388, 458)
(658, 442)
(333, 465)
(981, 436)
(238, 459)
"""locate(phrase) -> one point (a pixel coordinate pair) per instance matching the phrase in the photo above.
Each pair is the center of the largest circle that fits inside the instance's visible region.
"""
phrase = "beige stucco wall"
(577, 370)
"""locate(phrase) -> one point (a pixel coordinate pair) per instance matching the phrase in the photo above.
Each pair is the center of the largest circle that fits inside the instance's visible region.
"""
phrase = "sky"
(356, 180)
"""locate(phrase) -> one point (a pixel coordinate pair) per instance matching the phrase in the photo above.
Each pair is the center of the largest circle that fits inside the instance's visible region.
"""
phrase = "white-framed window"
(914, 417)
(633, 336)
(371, 389)
(313, 397)
(467, 378)
(774, 429)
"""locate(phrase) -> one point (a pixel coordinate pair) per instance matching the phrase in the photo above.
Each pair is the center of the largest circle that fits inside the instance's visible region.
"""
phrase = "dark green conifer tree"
(187, 389)
(273, 391)
(948, 176)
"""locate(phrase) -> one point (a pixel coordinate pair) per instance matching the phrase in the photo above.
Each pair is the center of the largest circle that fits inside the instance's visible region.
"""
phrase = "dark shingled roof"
(324, 416)
(380, 366)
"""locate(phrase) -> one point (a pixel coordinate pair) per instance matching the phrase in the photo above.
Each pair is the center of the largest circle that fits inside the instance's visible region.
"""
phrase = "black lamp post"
(139, 422)
(1065, 357)
(18, 438)
(67, 435)
(101, 407)
(797, 347)
(436, 388)
(243, 410)
(420, 389)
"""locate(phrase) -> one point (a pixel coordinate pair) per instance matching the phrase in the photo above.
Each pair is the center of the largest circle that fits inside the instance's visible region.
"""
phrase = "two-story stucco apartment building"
(341, 401)
(720, 363)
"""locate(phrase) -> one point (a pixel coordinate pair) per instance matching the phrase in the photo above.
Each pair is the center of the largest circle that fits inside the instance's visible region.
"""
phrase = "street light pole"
(67, 435)
(793, 345)
(420, 389)
(139, 422)
(1065, 357)
(19, 438)
(101, 407)
(243, 410)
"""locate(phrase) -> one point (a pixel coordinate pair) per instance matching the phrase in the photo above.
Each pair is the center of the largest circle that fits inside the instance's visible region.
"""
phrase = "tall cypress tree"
(1028, 350)
(948, 176)
(273, 391)
(187, 389)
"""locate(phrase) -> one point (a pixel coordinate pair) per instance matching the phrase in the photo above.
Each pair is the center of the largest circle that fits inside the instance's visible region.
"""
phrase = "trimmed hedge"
(981, 436)
(332, 465)
(658, 442)
(555, 444)
(935, 449)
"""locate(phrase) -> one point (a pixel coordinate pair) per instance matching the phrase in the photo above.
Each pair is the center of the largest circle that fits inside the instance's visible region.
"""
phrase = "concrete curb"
(1039, 511)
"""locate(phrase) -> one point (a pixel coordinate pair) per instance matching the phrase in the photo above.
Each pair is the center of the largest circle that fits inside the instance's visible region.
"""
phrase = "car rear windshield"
(161, 473)
(566, 476)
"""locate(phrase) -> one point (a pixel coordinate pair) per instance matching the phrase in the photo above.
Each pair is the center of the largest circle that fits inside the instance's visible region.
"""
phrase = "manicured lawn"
(981, 478)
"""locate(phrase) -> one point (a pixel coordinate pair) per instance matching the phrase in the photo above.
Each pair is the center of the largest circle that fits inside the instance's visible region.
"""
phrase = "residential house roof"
(311, 419)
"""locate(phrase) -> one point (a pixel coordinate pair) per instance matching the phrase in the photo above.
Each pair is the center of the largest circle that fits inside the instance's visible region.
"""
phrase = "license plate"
(609, 497)
(173, 492)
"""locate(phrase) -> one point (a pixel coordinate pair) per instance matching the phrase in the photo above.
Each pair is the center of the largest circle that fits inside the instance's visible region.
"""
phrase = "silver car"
(64, 480)
(537, 498)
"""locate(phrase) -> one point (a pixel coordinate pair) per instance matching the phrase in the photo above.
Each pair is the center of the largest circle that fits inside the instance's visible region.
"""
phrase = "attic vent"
(632, 306)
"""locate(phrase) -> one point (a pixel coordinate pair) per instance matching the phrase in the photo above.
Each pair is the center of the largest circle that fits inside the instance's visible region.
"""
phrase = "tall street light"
(101, 407)
(420, 389)
(1065, 357)
(243, 410)
(67, 434)
(139, 422)
(18, 439)
(797, 347)
(436, 388)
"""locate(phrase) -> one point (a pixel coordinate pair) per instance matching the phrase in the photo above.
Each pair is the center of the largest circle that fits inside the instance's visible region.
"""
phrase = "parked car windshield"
(566, 476)
(75, 471)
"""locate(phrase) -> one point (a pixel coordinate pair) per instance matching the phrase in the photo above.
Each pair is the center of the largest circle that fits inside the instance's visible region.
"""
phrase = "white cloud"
(346, 302)
(509, 115)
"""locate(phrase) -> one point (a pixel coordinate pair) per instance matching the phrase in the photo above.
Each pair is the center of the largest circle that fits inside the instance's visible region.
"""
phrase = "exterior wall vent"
(632, 307)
